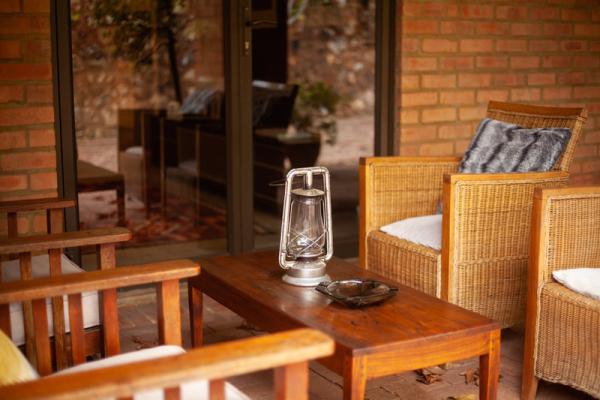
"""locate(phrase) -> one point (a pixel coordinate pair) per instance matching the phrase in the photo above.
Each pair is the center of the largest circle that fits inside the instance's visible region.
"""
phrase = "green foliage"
(315, 108)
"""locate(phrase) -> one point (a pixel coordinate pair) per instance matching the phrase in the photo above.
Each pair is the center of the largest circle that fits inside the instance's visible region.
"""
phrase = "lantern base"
(306, 282)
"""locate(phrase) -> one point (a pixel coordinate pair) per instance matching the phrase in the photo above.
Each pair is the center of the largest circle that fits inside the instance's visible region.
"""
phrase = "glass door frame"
(238, 117)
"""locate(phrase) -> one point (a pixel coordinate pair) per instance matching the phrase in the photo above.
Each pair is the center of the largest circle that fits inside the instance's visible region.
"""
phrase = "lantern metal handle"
(308, 173)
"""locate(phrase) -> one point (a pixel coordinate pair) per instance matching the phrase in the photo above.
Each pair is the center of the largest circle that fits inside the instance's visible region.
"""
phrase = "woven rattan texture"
(404, 262)
(569, 339)
(406, 189)
(530, 120)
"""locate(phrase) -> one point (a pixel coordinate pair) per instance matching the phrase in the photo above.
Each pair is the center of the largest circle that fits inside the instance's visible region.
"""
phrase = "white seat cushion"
(585, 281)
(197, 390)
(426, 230)
(40, 268)
(135, 150)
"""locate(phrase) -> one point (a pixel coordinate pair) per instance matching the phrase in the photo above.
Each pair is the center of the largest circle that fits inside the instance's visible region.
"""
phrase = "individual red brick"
(419, 63)
(544, 13)
(460, 146)
(586, 92)
(436, 149)
(592, 137)
(525, 94)
(10, 72)
(455, 131)
(36, 6)
(472, 113)
(591, 61)
(492, 28)
(595, 46)
(483, 96)
(39, 94)
(439, 46)
(12, 93)
(408, 150)
(509, 79)
(418, 133)
(38, 49)
(40, 24)
(10, 6)
(543, 45)
(41, 137)
(26, 116)
(492, 62)
(571, 78)
(409, 117)
(457, 27)
(524, 62)
(457, 63)
(476, 45)
(511, 45)
(410, 45)
(541, 78)
(409, 82)
(419, 99)
(474, 80)
(455, 97)
(573, 45)
(438, 114)
(10, 183)
(27, 160)
(39, 224)
(411, 9)
(419, 26)
(438, 81)
(10, 49)
(511, 12)
(476, 11)
(14, 25)
(591, 166)
(434, 10)
(569, 14)
(556, 61)
(585, 151)
(556, 29)
(526, 29)
(587, 30)
(12, 140)
(43, 180)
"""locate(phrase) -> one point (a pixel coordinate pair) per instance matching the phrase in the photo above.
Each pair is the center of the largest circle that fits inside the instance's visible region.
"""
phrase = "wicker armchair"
(485, 224)
(562, 334)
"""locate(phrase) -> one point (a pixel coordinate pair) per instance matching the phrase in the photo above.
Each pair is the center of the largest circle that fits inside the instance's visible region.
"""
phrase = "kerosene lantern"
(306, 239)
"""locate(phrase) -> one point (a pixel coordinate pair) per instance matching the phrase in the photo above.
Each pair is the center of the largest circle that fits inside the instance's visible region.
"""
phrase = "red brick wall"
(27, 148)
(455, 56)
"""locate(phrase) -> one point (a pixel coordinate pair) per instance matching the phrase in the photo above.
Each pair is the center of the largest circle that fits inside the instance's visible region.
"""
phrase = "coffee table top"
(251, 285)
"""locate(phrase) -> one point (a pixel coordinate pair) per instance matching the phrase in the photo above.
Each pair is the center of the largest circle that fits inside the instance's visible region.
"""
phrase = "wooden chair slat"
(169, 313)
(42, 341)
(172, 393)
(4, 314)
(196, 323)
(28, 327)
(76, 328)
(291, 381)
(55, 220)
(216, 389)
(11, 220)
(58, 313)
(110, 313)
(35, 205)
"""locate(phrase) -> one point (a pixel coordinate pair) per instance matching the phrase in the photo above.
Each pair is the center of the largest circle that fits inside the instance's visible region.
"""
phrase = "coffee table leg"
(489, 369)
(355, 378)
(196, 320)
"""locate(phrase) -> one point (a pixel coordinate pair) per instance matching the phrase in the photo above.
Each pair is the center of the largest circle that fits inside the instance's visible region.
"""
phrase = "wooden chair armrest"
(489, 215)
(63, 240)
(39, 288)
(394, 188)
(218, 361)
(35, 205)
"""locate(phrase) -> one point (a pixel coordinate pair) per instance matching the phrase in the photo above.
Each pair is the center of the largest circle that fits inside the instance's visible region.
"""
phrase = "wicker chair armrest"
(290, 349)
(486, 218)
(394, 188)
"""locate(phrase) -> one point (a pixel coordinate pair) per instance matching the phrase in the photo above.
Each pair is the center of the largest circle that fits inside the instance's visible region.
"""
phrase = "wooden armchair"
(563, 327)
(485, 220)
(287, 352)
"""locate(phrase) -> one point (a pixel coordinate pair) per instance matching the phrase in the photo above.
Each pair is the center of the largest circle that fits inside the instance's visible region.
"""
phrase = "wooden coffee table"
(410, 331)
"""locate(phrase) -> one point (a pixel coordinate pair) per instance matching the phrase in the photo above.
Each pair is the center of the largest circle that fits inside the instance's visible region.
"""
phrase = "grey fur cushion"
(502, 147)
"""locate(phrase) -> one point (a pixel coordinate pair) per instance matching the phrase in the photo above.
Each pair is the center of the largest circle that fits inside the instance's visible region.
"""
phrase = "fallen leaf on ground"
(463, 397)
(429, 375)
(471, 376)
(143, 344)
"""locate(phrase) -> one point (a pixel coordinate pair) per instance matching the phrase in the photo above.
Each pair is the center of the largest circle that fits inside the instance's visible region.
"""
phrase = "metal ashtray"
(357, 292)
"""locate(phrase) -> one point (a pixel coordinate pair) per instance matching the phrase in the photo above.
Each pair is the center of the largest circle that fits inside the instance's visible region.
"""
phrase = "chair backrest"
(565, 230)
(533, 116)
(273, 104)
(34, 312)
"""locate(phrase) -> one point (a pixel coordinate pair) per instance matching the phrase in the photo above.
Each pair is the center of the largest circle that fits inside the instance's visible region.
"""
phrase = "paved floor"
(137, 310)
